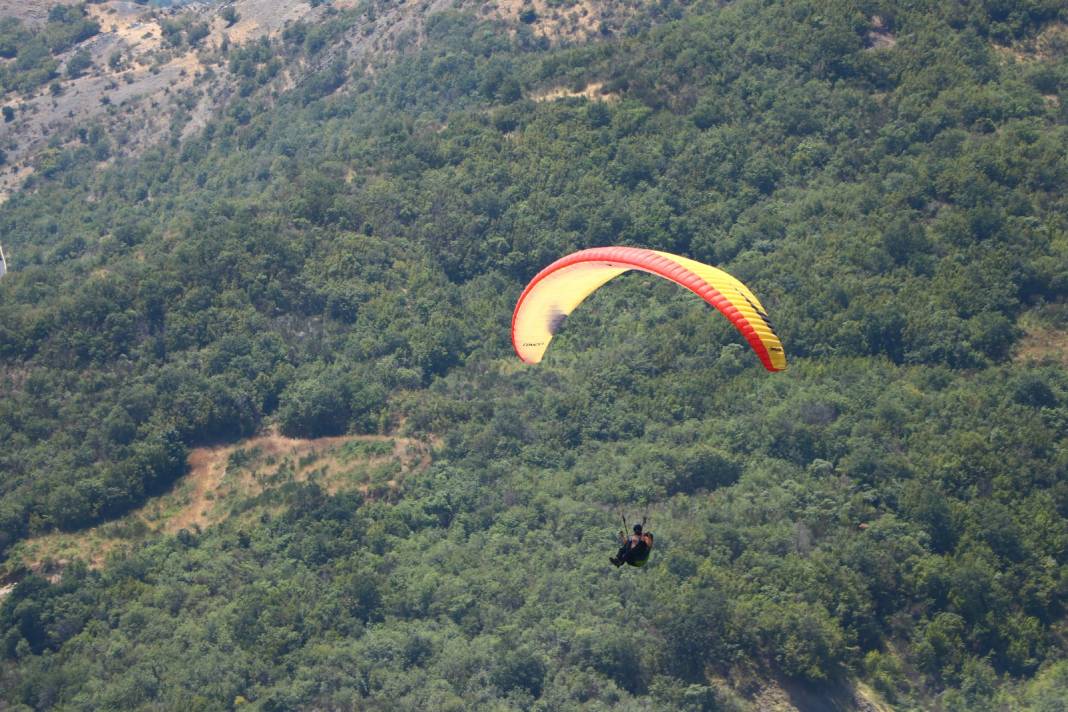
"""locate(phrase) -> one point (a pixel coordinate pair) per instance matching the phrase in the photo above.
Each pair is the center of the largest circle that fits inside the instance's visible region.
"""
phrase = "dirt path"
(211, 478)
(221, 476)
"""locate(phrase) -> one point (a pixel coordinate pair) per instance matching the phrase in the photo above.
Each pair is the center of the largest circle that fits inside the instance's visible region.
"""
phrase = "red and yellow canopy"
(555, 292)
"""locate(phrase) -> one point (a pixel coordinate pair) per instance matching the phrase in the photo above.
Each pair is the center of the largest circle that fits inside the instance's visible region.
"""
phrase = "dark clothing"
(635, 551)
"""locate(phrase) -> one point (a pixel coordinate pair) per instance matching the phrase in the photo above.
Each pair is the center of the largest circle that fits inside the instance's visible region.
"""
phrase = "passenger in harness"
(634, 549)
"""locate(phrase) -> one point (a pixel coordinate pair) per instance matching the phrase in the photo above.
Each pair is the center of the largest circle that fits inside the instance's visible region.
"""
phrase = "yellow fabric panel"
(555, 296)
(742, 298)
(557, 291)
(728, 286)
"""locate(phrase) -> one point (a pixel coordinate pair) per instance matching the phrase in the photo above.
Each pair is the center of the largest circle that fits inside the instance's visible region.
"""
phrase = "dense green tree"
(344, 259)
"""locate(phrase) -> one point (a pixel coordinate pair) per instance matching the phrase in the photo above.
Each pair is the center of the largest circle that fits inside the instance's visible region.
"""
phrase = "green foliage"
(67, 26)
(893, 507)
(330, 402)
(230, 15)
(12, 35)
(79, 62)
(34, 65)
(1045, 693)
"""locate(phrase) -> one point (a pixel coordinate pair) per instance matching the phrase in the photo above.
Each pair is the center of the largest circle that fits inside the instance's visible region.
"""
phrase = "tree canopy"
(889, 178)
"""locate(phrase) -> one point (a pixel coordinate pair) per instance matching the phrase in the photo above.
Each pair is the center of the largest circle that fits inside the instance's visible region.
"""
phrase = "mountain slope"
(146, 74)
(882, 525)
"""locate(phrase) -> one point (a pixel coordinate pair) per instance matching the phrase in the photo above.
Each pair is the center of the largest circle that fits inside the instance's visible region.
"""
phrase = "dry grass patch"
(140, 32)
(593, 92)
(1043, 345)
(223, 481)
(578, 22)
(880, 37)
(11, 181)
(1049, 44)
(1052, 42)
(219, 475)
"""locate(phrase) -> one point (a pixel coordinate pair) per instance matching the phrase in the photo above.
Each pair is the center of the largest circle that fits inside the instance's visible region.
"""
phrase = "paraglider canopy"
(559, 288)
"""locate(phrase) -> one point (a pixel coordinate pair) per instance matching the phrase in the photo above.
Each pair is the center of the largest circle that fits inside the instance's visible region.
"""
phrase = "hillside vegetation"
(125, 76)
(884, 525)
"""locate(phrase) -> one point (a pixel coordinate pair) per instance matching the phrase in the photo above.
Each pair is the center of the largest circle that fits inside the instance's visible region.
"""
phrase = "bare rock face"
(156, 74)
(32, 12)
(141, 86)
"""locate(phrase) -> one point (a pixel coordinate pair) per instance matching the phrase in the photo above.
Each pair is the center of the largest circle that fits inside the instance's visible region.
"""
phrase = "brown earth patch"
(1043, 345)
(1050, 44)
(593, 92)
(213, 477)
(243, 30)
(578, 22)
(833, 696)
(223, 476)
(132, 25)
(880, 37)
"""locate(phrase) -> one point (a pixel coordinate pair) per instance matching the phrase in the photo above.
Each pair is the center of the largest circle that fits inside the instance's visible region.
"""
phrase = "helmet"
(637, 528)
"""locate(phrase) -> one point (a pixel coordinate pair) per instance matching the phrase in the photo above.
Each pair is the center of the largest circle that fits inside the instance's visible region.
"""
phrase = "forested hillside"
(882, 526)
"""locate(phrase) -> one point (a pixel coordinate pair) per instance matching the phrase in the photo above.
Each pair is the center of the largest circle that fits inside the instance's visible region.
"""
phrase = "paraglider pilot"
(634, 549)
